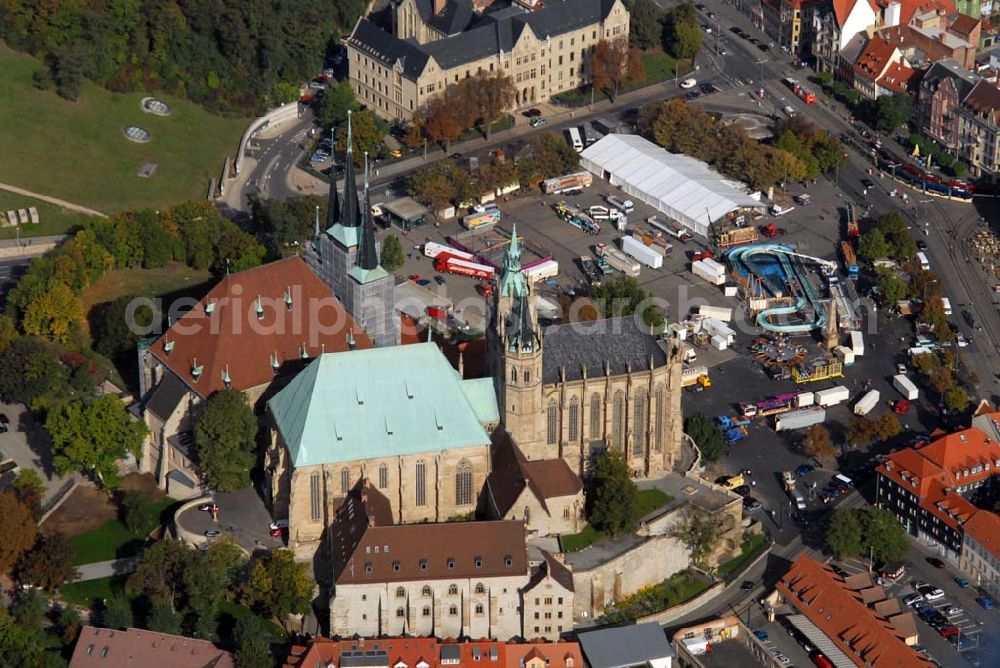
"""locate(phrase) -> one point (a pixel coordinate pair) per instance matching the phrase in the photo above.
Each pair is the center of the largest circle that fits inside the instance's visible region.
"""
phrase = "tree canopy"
(49, 564)
(622, 296)
(613, 499)
(645, 24)
(393, 255)
(682, 35)
(866, 532)
(278, 586)
(699, 532)
(707, 436)
(224, 434)
(18, 529)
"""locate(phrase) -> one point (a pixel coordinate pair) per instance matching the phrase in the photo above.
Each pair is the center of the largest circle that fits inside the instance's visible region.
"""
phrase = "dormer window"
(451, 563)
(479, 562)
(395, 566)
(288, 298)
(260, 309)
(423, 564)
(196, 369)
(210, 307)
(508, 561)
(369, 568)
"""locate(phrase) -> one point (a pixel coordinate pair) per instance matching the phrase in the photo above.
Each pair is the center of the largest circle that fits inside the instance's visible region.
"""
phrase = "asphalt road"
(10, 269)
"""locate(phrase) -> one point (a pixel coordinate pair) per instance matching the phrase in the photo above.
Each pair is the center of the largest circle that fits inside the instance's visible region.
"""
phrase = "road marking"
(298, 136)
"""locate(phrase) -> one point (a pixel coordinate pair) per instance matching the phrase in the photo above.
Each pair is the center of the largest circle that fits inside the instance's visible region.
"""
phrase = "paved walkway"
(52, 200)
(105, 569)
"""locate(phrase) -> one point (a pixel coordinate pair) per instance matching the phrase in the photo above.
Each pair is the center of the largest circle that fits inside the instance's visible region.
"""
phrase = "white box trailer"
(867, 403)
(696, 646)
(845, 355)
(700, 270)
(832, 396)
(688, 354)
(714, 266)
(800, 419)
(714, 327)
(857, 343)
(719, 342)
(919, 350)
(905, 386)
(716, 312)
(805, 399)
(641, 252)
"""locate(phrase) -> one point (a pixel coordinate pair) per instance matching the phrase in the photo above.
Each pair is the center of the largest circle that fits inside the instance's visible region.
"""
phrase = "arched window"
(513, 375)
(463, 483)
(426, 612)
(480, 589)
(618, 420)
(658, 420)
(345, 481)
(400, 592)
(639, 425)
(453, 590)
(574, 419)
(453, 610)
(479, 608)
(527, 515)
(552, 423)
(421, 486)
(596, 431)
(425, 592)
(383, 476)
(400, 612)
(527, 376)
(314, 494)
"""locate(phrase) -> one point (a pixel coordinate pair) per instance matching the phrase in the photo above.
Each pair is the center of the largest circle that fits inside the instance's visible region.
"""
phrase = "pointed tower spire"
(350, 216)
(367, 253)
(330, 204)
(512, 282)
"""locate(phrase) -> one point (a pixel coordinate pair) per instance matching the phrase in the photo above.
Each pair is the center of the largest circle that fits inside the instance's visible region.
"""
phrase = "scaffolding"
(819, 369)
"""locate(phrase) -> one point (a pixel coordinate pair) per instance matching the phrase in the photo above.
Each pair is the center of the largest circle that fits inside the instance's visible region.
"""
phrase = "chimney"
(438, 7)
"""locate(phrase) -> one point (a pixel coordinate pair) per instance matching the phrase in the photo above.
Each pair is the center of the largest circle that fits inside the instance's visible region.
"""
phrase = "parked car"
(935, 562)
(931, 593)
(689, 83)
(278, 532)
(804, 470)
(212, 533)
(751, 504)
(913, 600)
(538, 122)
(742, 490)
(953, 610)
(962, 582)
(986, 602)
(746, 585)
(278, 524)
(761, 635)
(533, 113)
(949, 631)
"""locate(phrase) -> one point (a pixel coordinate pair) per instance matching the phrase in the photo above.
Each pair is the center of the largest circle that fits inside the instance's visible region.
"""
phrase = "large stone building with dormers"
(429, 44)
(569, 391)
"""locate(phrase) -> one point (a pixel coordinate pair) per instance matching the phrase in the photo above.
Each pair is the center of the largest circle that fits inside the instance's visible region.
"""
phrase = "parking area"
(241, 514)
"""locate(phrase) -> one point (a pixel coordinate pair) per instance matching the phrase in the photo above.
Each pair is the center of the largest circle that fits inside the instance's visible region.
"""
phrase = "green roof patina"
(363, 276)
(482, 397)
(345, 236)
(380, 402)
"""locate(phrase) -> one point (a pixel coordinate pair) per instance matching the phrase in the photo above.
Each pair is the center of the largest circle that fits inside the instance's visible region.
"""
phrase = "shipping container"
(920, 350)
(641, 252)
(905, 386)
(702, 271)
(540, 270)
(719, 342)
(714, 266)
(857, 343)
(716, 312)
(688, 354)
(477, 220)
(568, 182)
(804, 399)
(618, 259)
(695, 375)
(715, 327)
(867, 403)
(800, 419)
(832, 396)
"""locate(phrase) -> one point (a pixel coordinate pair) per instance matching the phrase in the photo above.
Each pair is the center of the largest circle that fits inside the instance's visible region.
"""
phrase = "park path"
(105, 569)
(52, 200)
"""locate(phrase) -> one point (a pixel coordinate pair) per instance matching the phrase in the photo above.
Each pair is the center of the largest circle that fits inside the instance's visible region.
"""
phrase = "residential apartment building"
(942, 89)
(928, 488)
(784, 21)
(834, 25)
(434, 43)
(548, 600)
(979, 118)
(981, 551)
(881, 70)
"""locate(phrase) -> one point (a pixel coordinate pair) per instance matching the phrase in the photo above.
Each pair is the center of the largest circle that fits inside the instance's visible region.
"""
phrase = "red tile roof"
(897, 77)
(911, 8)
(843, 8)
(110, 648)
(911, 471)
(984, 527)
(413, 651)
(948, 507)
(958, 454)
(223, 332)
(874, 58)
(868, 640)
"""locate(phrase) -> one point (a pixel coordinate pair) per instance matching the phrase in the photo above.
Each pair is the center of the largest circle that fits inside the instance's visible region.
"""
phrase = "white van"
(844, 480)
(800, 501)
(575, 140)
(946, 305)
(924, 263)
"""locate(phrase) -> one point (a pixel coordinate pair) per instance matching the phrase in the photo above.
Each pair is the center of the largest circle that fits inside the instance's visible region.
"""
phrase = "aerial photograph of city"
(499, 333)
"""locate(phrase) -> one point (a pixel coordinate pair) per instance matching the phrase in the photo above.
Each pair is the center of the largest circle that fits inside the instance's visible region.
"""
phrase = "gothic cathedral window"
(552, 423)
(463, 483)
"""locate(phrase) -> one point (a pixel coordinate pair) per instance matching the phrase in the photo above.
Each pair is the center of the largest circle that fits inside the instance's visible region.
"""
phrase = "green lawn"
(649, 500)
(174, 278)
(659, 66)
(112, 540)
(52, 219)
(675, 590)
(84, 593)
(230, 612)
(749, 549)
(76, 150)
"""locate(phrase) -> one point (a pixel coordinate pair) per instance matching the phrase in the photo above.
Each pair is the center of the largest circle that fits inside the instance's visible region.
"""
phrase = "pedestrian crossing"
(298, 136)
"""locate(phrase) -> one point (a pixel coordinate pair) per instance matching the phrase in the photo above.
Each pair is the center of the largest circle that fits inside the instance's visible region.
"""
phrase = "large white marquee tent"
(685, 189)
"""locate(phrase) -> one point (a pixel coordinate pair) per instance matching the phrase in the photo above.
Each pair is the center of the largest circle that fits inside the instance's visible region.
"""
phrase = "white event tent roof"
(680, 187)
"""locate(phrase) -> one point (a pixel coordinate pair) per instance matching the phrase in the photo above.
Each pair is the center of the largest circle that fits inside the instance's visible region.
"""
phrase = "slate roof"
(947, 68)
(511, 474)
(497, 31)
(984, 98)
(554, 568)
(625, 645)
(454, 18)
(166, 396)
(617, 341)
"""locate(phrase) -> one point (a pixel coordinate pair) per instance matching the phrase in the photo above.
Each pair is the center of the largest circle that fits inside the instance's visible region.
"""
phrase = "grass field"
(649, 500)
(76, 150)
(112, 540)
(749, 549)
(675, 590)
(167, 280)
(84, 593)
(53, 219)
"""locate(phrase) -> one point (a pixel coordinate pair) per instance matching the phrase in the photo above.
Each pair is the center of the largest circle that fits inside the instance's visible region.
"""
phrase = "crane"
(829, 268)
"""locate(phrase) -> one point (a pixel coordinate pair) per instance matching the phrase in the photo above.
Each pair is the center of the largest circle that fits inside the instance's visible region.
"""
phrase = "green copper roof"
(483, 398)
(363, 276)
(379, 402)
(512, 280)
(346, 236)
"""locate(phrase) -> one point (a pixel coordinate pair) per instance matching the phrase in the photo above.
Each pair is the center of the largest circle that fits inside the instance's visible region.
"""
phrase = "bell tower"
(516, 352)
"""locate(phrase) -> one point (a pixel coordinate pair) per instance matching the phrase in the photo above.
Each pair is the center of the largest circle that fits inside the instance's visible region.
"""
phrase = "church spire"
(512, 281)
(350, 215)
(367, 253)
(332, 199)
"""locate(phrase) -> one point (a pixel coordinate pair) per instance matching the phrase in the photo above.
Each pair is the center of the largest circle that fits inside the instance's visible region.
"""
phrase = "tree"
(818, 444)
(92, 435)
(28, 607)
(29, 489)
(860, 431)
(891, 286)
(224, 434)
(161, 618)
(21, 645)
(843, 534)
(278, 586)
(109, 326)
(893, 111)
(487, 95)
(682, 36)
(622, 296)
(432, 186)
(645, 24)
(699, 532)
(68, 73)
(367, 131)
(942, 380)
(18, 529)
(68, 624)
(884, 537)
(136, 512)
(614, 499)
(208, 578)
(635, 70)
(30, 370)
(252, 647)
(959, 168)
(873, 246)
(160, 570)
(608, 66)
(393, 256)
(886, 426)
(117, 613)
(52, 316)
(49, 564)
(440, 119)
(707, 436)
(337, 101)
(956, 399)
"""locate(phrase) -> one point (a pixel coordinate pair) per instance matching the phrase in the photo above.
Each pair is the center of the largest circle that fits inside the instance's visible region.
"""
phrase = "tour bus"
(574, 138)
